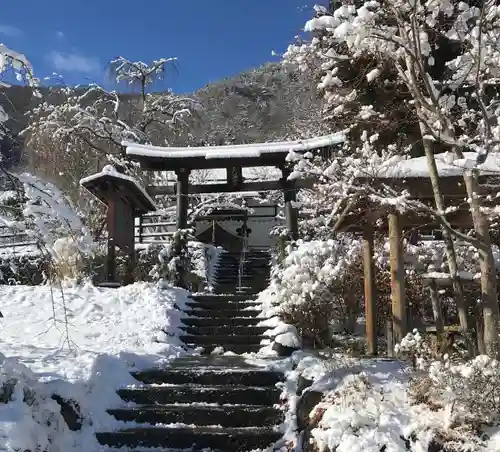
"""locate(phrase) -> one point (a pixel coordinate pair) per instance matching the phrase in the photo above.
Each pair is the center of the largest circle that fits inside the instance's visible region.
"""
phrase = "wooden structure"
(233, 158)
(362, 215)
(125, 200)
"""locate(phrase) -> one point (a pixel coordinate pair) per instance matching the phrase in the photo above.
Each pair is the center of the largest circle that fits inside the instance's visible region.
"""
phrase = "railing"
(241, 267)
(153, 228)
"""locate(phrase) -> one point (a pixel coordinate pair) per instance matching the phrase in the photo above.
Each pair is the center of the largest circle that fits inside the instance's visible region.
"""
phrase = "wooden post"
(130, 267)
(397, 278)
(290, 195)
(389, 335)
(370, 293)
(436, 310)
(140, 229)
(182, 198)
(111, 257)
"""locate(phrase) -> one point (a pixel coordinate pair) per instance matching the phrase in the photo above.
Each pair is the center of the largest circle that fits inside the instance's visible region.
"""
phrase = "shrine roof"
(127, 186)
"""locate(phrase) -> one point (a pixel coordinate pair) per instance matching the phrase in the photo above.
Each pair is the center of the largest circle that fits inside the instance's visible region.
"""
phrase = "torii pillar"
(182, 198)
(290, 195)
(399, 320)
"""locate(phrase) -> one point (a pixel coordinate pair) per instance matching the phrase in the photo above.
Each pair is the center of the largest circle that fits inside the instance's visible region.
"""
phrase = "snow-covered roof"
(236, 150)
(110, 171)
(447, 163)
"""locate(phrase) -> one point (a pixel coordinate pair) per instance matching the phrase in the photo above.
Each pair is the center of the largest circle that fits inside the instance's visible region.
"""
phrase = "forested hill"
(265, 104)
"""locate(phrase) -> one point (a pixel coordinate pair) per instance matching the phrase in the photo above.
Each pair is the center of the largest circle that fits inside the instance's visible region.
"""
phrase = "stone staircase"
(255, 275)
(223, 321)
(207, 402)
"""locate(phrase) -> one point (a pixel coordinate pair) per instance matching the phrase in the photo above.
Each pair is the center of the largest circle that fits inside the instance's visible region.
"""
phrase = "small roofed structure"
(125, 199)
(411, 175)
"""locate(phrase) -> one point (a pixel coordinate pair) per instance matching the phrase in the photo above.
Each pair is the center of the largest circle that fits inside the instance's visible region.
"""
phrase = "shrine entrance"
(127, 201)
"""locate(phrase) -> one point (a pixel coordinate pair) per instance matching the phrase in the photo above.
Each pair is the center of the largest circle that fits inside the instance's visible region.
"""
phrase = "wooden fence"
(14, 239)
(153, 228)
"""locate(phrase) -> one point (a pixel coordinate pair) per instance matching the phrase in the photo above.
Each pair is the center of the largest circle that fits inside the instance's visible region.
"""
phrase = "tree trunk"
(465, 324)
(437, 311)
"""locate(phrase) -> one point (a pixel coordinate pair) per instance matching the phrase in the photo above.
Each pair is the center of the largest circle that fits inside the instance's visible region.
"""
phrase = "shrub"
(322, 282)
(175, 263)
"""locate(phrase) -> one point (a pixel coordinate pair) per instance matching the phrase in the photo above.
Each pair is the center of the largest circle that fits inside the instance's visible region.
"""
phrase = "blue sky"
(212, 39)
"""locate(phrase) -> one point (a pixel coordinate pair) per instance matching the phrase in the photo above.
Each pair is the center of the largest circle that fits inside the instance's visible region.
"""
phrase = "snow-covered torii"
(233, 158)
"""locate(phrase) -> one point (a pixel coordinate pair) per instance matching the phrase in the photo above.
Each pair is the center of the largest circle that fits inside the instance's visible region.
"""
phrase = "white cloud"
(60, 34)
(73, 62)
(10, 30)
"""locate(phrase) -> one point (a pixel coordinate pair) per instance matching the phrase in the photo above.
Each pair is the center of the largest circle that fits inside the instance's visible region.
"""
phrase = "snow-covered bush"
(175, 262)
(153, 258)
(468, 392)
(51, 219)
(321, 283)
(68, 261)
(414, 347)
(305, 283)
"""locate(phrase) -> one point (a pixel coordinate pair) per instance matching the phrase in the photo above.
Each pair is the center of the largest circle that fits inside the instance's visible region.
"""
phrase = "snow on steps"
(216, 402)
(231, 312)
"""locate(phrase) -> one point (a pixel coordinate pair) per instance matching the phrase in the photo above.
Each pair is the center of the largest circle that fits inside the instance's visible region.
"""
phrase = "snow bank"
(109, 332)
(101, 321)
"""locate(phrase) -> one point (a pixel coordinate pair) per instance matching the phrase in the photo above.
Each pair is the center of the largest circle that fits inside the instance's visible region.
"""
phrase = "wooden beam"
(370, 293)
(157, 190)
(397, 278)
(421, 187)
(459, 219)
(172, 164)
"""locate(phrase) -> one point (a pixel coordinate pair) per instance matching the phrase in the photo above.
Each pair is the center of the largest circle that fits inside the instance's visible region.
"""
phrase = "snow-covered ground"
(80, 343)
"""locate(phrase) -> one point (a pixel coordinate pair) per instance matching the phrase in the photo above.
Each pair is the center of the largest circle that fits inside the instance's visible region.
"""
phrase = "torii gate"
(233, 158)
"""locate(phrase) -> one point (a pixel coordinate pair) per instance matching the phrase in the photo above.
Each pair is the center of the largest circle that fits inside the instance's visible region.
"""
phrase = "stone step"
(212, 297)
(216, 340)
(201, 415)
(222, 313)
(232, 287)
(221, 321)
(239, 349)
(244, 290)
(247, 263)
(247, 253)
(195, 439)
(221, 305)
(247, 280)
(209, 376)
(225, 330)
(233, 395)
